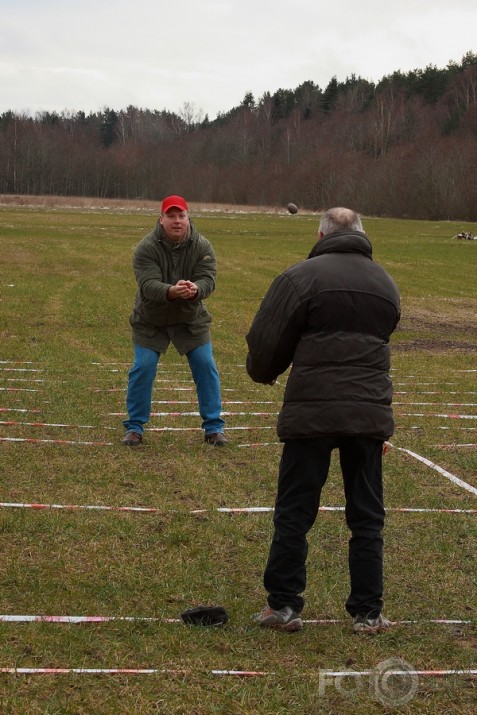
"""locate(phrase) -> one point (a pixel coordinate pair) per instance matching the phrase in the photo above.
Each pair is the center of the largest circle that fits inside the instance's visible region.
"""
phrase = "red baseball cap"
(174, 202)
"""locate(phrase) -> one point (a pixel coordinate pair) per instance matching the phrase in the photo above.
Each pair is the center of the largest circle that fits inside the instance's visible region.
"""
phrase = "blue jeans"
(141, 379)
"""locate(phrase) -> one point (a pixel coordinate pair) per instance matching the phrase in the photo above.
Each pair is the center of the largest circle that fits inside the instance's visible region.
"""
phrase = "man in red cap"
(175, 269)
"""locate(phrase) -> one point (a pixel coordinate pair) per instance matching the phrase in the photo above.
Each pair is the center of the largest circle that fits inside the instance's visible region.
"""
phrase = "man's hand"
(182, 289)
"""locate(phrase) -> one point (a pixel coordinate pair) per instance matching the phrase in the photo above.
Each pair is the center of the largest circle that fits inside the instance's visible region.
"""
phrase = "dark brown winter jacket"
(330, 317)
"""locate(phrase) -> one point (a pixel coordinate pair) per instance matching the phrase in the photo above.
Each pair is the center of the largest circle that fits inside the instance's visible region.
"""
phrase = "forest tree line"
(405, 146)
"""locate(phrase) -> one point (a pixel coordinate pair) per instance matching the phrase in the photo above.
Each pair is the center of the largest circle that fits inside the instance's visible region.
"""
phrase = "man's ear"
(320, 235)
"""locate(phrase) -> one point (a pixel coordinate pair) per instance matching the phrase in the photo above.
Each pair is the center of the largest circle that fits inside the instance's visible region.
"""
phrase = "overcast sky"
(88, 55)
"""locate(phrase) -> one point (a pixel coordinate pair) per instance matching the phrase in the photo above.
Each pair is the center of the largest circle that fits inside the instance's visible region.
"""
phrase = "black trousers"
(303, 472)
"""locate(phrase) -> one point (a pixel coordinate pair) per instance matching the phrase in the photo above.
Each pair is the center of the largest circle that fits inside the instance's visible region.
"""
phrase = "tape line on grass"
(27, 618)
(223, 510)
(440, 470)
(238, 673)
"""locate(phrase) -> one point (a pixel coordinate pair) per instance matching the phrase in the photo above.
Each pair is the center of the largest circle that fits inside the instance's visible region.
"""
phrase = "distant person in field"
(330, 317)
(175, 269)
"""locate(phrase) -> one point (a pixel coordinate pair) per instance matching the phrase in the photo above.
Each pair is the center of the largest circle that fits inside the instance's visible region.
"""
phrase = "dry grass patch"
(74, 296)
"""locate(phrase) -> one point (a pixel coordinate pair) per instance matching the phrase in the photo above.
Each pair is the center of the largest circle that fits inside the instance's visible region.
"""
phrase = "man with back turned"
(330, 317)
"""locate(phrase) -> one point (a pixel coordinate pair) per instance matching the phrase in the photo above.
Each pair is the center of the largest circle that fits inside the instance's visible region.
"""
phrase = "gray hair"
(340, 219)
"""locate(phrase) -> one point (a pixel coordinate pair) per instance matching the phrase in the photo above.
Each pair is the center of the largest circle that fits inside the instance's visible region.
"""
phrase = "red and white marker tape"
(24, 379)
(17, 409)
(443, 416)
(407, 673)
(225, 402)
(50, 424)
(259, 444)
(452, 446)
(434, 466)
(80, 619)
(196, 429)
(126, 671)
(52, 441)
(436, 392)
(440, 470)
(197, 414)
(237, 673)
(223, 510)
(419, 384)
(444, 404)
(20, 369)
(74, 620)
(18, 389)
(454, 427)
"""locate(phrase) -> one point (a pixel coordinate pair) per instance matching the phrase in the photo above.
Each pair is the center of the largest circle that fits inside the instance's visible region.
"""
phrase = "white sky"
(88, 55)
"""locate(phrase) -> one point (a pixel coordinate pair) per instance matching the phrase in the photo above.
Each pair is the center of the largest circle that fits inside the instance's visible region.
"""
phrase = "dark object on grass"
(205, 616)
(466, 235)
(292, 208)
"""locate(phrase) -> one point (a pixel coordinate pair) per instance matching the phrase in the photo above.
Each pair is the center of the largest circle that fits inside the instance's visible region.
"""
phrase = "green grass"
(66, 291)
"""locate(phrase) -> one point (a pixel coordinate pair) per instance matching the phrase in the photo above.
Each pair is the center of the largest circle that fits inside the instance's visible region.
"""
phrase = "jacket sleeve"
(205, 271)
(275, 331)
(148, 273)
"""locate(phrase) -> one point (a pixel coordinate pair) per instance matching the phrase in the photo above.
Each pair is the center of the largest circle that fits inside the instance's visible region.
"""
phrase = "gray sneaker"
(364, 624)
(286, 619)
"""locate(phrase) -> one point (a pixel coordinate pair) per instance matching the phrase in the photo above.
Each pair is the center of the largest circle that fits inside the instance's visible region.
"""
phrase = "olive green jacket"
(157, 265)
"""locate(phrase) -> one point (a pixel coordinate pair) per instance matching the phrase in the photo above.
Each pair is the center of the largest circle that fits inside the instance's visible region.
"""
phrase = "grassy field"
(66, 291)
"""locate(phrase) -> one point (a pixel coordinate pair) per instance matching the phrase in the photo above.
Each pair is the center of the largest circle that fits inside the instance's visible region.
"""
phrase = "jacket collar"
(343, 242)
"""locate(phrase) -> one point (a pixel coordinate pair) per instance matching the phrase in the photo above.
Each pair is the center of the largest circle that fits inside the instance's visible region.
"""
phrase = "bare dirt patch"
(449, 326)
